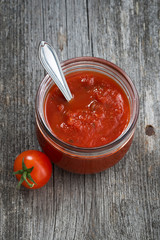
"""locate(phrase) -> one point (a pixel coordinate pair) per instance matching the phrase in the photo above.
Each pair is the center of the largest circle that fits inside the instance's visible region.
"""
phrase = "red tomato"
(33, 167)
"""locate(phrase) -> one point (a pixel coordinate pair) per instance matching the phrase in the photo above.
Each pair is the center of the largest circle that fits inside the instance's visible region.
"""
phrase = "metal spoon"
(51, 64)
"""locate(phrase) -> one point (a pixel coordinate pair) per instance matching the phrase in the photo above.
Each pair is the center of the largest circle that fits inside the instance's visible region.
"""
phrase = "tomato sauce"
(98, 113)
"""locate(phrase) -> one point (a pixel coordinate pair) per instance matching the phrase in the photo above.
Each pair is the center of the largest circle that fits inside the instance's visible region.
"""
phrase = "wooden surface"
(119, 203)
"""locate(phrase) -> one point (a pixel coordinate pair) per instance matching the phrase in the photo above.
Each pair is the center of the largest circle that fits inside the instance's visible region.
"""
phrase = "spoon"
(51, 64)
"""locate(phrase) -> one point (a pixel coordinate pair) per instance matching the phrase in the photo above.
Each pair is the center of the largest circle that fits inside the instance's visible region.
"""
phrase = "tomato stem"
(25, 179)
(25, 174)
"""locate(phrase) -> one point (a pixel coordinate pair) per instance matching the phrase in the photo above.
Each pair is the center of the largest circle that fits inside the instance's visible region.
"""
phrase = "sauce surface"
(98, 113)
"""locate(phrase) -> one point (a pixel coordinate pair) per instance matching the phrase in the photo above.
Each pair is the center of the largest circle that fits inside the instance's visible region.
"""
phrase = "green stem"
(25, 179)
(20, 182)
(25, 173)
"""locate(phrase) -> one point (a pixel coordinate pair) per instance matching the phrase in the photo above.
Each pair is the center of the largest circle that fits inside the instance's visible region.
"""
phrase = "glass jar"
(86, 160)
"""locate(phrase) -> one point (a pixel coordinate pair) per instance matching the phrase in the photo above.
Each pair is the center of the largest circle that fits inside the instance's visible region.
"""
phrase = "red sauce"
(98, 113)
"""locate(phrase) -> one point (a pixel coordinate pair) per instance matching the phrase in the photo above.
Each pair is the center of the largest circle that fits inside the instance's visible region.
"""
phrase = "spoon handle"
(50, 62)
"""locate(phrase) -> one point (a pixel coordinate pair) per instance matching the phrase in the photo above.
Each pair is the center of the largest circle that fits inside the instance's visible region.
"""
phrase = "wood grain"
(119, 203)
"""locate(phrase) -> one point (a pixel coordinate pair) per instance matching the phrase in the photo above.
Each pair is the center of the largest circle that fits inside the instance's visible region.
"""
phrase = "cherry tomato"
(33, 169)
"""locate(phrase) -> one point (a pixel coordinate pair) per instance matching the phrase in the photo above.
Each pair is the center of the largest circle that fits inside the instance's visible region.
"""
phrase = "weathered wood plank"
(122, 202)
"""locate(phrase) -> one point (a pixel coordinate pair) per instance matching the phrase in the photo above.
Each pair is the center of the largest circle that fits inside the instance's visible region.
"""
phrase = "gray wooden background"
(119, 203)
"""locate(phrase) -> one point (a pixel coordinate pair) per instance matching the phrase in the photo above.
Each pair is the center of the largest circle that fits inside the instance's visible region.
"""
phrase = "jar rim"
(108, 146)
